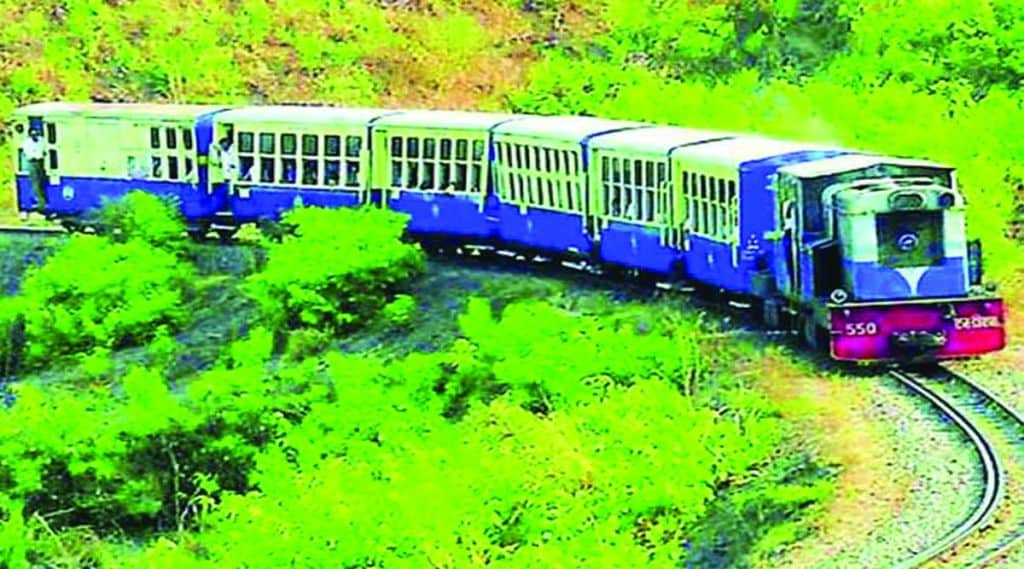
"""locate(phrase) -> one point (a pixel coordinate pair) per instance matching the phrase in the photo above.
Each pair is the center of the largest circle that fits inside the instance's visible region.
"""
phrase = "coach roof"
(301, 114)
(850, 162)
(654, 139)
(724, 157)
(115, 110)
(445, 119)
(565, 129)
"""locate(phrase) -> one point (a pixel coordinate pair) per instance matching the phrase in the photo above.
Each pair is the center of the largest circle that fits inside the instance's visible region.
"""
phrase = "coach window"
(412, 167)
(702, 205)
(154, 138)
(353, 146)
(289, 165)
(310, 145)
(172, 139)
(734, 210)
(266, 143)
(332, 146)
(516, 159)
(288, 144)
(172, 167)
(186, 138)
(332, 172)
(246, 160)
(289, 171)
(412, 154)
(396, 162)
(310, 159)
(477, 172)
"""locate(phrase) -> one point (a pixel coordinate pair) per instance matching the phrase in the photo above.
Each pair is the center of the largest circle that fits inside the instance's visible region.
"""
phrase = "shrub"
(400, 311)
(94, 293)
(153, 219)
(334, 270)
(12, 331)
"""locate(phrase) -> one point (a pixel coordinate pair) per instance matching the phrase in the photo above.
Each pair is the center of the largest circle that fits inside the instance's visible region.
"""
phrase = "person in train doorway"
(224, 155)
(33, 151)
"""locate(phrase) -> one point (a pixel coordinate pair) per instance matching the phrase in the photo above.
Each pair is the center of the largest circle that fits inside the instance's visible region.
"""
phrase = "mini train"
(863, 254)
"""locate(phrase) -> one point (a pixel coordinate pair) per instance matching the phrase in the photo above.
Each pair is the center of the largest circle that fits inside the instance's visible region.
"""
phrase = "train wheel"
(771, 313)
(226, 234)
(814, 335)
(70, 225)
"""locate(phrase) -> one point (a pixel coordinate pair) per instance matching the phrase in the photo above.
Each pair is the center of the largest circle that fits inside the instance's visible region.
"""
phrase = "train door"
(787, 246)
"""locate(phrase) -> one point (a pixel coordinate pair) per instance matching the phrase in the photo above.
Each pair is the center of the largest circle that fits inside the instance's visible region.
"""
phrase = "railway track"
(29, 230)
(995, 527)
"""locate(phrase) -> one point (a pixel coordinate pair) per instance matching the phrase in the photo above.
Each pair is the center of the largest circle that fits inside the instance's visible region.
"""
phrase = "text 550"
(861, 329)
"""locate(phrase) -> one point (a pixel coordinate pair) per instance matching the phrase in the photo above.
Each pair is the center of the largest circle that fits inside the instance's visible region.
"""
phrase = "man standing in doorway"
(33, 151)
(222, 154)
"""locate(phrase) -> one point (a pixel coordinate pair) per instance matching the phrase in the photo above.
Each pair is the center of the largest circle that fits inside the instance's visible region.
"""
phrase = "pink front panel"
(866, 332)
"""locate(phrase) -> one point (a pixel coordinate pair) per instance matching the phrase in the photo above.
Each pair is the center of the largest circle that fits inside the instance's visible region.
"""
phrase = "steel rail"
(994, 475)
(993, 553)
(27, 230)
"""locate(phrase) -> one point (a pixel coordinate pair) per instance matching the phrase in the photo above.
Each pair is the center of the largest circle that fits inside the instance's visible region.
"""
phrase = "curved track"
(996, 431)
(26, 230)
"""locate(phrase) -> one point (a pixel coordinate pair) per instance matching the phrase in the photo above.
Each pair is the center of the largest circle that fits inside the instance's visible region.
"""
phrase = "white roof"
(117, 110)
(849, 162)
(564, 129)
(445, 119)
(654, 139)
(301, 114)
(724, 157)
(50, 108)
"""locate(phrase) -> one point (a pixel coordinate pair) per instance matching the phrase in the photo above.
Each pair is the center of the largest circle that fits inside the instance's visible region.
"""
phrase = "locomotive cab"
(878, 258)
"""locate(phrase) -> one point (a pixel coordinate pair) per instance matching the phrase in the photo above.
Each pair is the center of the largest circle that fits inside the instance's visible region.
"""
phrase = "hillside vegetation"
(198, 405)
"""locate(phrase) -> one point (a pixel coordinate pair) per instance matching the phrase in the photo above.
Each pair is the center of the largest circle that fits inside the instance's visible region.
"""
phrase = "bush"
(335, 270)
(152, 219)
(400, 311)
(12, 336)
(94, 293)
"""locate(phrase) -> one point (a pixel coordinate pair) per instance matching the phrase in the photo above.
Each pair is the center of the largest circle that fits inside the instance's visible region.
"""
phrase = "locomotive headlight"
(907, 242)
(906, 200)
(947, 200)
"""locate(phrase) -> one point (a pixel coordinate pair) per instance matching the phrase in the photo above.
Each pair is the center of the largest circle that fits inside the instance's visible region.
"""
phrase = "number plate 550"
(861, 329)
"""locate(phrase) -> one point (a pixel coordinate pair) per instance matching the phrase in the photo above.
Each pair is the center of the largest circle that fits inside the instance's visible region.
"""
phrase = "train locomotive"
(862, 254)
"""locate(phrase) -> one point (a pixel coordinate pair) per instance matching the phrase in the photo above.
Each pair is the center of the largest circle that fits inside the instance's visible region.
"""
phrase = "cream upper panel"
(723, 158)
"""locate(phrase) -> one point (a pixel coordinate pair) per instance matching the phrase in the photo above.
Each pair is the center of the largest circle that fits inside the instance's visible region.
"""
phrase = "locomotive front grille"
(909, 238)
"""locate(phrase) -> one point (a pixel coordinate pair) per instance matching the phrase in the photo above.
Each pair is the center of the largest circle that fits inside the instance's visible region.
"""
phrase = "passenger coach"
(97, 152)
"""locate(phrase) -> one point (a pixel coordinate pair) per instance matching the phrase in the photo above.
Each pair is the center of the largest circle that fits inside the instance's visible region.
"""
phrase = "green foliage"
(94, 293)
(400, 311)
(335, 270)
(11, 335)
(380, 478)
(147, 218)
(545, 357)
